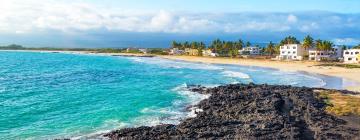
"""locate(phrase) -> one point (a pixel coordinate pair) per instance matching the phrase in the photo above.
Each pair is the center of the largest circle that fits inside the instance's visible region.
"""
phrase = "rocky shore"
(249, 111)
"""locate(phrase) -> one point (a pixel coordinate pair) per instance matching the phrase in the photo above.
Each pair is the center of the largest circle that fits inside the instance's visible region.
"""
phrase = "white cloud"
(292, 18)
(28, 16)
(309, 27)
(348, 41)
(162, 21)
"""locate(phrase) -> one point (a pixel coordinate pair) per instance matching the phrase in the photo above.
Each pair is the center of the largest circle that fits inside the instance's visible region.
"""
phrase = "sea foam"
(236, 74)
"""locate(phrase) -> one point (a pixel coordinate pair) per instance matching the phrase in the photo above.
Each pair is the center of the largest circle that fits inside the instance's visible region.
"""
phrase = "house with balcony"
(352, 56)
(176, 51)
(192, 52)
(334, 54)
(292, 52)
(250, 51)
(209, 52)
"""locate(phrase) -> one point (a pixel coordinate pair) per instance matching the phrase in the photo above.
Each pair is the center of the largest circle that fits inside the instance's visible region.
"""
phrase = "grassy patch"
(349, 66)
(340, 104)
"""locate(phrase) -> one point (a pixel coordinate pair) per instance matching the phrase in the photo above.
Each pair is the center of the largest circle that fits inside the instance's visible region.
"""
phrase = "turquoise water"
(47, 95)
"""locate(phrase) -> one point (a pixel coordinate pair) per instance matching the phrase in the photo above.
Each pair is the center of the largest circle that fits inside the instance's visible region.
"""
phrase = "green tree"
(248, 44)
(270, 49)
(344, 47)
(239, 44)
(200, 48)
(308, 42)
(185, 45)
(289, 40)
(175, 44)
(357, 47)
(228, 49)
(324, 45)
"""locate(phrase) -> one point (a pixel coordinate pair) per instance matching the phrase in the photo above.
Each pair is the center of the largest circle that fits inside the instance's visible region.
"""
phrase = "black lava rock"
(249, 111)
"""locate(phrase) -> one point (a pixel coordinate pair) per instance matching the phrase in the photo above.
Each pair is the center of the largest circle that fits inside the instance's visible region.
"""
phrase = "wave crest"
(236, 74)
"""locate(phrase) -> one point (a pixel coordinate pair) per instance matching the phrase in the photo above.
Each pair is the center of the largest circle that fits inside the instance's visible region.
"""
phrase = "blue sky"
(122, 23)
(342, 6)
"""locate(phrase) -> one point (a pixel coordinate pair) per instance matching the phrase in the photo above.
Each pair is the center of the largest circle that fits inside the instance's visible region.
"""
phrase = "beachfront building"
(193, 52)
(336, 53)
(352, 56)
(292, 52)
(250, 51)
(176, 51)
(210, 53)
(128, 50)
(144, 51)
(318, 55)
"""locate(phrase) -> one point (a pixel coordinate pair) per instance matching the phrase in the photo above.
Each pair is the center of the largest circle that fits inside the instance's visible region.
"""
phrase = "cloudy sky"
(153, 23)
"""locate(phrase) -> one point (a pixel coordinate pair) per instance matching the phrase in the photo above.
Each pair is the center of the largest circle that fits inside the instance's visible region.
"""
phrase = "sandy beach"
(306, 66)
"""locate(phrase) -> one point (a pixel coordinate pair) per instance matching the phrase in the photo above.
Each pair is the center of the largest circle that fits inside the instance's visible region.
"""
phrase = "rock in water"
(248, 111)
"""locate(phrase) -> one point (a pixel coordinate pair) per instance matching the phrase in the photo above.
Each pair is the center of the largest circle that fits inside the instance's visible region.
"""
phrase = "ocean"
(57, 95)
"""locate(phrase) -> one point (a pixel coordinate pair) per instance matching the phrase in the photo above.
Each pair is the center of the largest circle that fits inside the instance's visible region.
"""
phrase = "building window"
(349, 59)
(294, 47)
(288, 47)
(294, 57)
(283, 52)
(289, 52)
(352, 53)
(346, 52)
(294, 52)
(282, 47)
(356, 52)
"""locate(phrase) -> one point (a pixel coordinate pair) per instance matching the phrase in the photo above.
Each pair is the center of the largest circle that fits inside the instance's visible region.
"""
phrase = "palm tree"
(323, 45)
(327, 45)
(308, 42)
(289, 40)
(174, 44)
(270, 48)
(239, 45)
(357, 47)
(228, 48)
(200, 48)
(318, 43)
(248, 44)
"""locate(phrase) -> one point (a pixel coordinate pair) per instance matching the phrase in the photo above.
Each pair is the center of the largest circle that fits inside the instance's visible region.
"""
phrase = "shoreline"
(297, 66)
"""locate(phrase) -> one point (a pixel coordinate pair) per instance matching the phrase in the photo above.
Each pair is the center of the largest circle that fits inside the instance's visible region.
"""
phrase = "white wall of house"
(176, 51)
(209, 53)
(351, 56)
(250, 51)
(292, 52)
(338, 52)
(317, 55)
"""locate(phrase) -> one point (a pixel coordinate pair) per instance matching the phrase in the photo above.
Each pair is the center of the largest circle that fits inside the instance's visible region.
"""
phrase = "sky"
(154, 23)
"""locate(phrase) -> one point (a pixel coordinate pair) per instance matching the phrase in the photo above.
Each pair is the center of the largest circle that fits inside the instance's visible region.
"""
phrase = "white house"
(209, 52)
(250, 51)
(338, 52)
(318, 55)
(144, 51)
(292, 52)
(352, 56)
(176, 51)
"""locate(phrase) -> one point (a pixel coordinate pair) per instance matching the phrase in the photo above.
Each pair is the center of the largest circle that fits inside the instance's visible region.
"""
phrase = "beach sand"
(306, 66)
